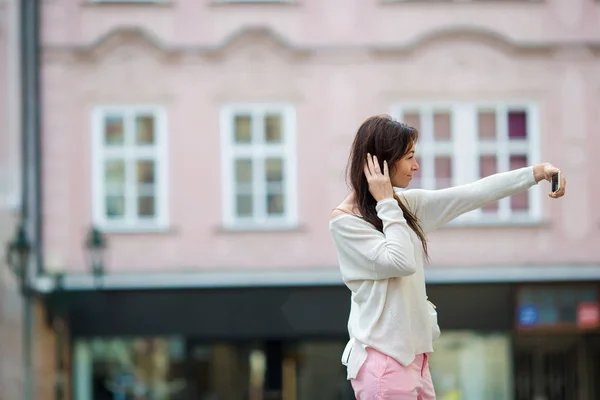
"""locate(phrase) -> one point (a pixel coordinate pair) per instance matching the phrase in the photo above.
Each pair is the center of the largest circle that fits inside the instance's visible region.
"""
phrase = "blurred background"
(168, 167)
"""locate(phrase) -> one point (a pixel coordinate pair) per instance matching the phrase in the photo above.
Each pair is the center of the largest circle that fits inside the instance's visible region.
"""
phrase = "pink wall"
(329, 68)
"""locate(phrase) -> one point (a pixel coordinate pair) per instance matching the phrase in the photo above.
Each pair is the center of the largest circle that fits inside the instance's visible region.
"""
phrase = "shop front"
(286, 343)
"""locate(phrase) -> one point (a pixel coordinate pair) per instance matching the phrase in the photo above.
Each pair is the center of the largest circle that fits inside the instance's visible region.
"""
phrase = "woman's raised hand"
(380, 184)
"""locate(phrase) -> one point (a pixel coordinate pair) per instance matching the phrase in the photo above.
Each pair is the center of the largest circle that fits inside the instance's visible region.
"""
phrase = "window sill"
(124, 3)
(221, 3)
(260, 229)
(498, 224)
(465, 2)
(136, 230)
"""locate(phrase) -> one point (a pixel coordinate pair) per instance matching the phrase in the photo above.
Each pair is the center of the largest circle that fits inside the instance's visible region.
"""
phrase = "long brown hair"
(389, 140)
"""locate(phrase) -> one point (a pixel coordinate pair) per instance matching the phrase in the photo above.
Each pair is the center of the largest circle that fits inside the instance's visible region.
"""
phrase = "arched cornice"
(141, 38)
(465, 34)
(492, 39)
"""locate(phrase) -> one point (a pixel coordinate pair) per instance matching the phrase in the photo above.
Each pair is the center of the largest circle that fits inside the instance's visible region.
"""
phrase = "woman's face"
(403, 170)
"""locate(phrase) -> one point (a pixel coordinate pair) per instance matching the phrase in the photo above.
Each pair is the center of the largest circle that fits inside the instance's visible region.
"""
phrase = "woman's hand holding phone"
(553, 175)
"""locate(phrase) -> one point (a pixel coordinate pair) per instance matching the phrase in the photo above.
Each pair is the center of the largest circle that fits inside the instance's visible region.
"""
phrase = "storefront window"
(557, 306)
(468, 365)
(319, 371)
(129, 369)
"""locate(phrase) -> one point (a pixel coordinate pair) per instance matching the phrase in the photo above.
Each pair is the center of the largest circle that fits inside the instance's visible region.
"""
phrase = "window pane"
(145, 171)
(223, 370)
(519, 201)
(443, 172)
(244, 205)
(488, 355)
(441, 126)
(146, 206)
(274, 169)
(487, 167)
(114, 176)
(318, 375)
(412, 119)
(275, 204)
(243, 170)
(243, 129)
(114, 130)
(135, 367)
(517, 125)
(115, 207)
(144, 129)
(486, 125)
(273, 125)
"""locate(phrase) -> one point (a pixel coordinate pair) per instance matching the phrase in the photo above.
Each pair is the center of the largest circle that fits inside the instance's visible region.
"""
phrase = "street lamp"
(96, 244)
(17, 257)
(18, 252)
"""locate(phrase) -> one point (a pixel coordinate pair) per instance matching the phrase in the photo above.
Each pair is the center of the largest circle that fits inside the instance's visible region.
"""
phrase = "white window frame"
(258, 151)
(465, 150)
(159, 153)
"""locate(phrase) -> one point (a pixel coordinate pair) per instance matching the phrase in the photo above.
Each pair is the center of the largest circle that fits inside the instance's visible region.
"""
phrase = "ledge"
(200, 278)
(462, 2)
(126, 3)
(497, 225)
(230, 3)
(222, 230)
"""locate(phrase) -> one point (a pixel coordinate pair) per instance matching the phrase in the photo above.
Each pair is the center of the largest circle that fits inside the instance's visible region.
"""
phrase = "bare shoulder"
(346, 207)
(336, 213)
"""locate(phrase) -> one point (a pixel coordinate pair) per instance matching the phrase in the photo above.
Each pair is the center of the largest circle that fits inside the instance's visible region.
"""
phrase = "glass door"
(547, 368)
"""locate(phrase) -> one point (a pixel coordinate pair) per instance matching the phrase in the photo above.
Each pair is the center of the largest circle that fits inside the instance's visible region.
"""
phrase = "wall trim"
(141, 36)
(316, 277)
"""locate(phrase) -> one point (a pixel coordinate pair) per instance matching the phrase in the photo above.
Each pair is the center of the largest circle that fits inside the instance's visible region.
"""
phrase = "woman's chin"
(402, 185)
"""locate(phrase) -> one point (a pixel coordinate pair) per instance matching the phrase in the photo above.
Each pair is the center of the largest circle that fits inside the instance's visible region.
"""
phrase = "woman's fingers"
(367, 172)
(370, 164)
(563, 186)
(372, 168)
(376, 165)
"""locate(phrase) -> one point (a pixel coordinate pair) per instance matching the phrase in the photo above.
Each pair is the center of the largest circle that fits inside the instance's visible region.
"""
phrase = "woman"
(380, 236)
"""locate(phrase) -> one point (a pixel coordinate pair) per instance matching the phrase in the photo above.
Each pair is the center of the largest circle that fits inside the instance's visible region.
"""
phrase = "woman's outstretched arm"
(438, 207)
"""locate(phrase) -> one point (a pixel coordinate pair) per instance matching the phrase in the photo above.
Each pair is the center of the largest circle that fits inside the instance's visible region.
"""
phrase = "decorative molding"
(485, 36)
(107, 43)
(139, 36)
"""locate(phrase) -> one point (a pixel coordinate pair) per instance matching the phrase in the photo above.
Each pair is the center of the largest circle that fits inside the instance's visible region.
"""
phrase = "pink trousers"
(383, 378)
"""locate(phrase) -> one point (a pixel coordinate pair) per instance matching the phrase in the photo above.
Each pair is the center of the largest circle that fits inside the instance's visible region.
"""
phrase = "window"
(472, 365)
(461, 143)
(558, 307)
(130, 368)
(130, 168)
(259, 167)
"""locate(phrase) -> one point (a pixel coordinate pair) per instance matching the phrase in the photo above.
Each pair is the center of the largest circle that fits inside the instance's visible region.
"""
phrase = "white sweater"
(389, 309)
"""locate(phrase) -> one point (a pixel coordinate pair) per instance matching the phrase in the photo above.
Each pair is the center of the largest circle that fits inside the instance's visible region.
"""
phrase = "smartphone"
(556, 182)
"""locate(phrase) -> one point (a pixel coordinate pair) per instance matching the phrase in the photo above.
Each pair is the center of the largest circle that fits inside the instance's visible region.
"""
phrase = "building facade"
(10, 311)
(27, 351)
(207, 140)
